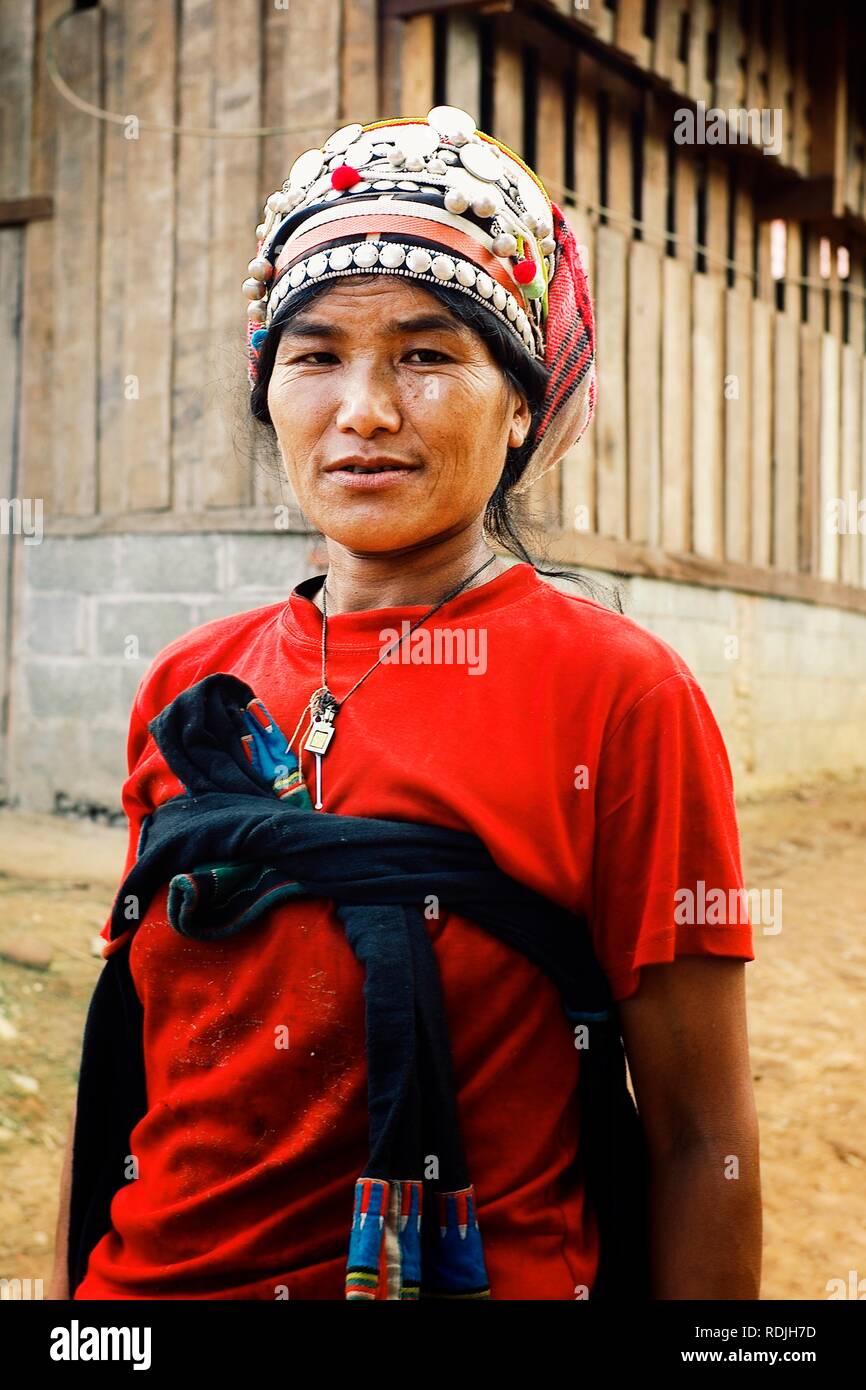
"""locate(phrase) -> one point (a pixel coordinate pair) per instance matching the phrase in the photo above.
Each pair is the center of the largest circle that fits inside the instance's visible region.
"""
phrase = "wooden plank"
(762, 430)
(611, 423)
(236, 206)
(830, 481)
(150, 72)
(717, 214)
(685, 204)
(810, 444)
(628, 28)
(729, 88)
(738, 423)
(800, 113)
(814, 291)
(644, 391)
(463, 63)
(115, 256)
(850, 461)
(624, 557)
(546, 496)
(666, 44)
(708, 341)
(655, 168)
(779, 74)
(828, 62)
(586, 143)
(621, 101)
(417, 61)
(862, 486)
(36, 423)
(359, 57)
(193, 212)
(786, 488)
(75, 306)
(579, 464)
(676, 412)
(698, 85)
(507, 119)
(756, 62)
(744, 222)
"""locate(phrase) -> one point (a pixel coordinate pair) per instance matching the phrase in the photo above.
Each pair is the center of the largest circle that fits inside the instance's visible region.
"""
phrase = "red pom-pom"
(525, 272)
(344, 176)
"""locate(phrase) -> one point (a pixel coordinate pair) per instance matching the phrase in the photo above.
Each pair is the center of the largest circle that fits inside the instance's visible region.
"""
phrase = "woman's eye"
(430, 352)
(309, 355)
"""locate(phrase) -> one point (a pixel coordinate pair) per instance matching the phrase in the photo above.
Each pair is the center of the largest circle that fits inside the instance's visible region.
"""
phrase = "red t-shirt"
(580, 749)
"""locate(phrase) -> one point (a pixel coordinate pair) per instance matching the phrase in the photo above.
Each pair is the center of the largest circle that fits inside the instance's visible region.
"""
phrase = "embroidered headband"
(439, 202)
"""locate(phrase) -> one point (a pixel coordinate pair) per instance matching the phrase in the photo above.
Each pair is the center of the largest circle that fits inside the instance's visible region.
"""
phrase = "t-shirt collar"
(303, 620)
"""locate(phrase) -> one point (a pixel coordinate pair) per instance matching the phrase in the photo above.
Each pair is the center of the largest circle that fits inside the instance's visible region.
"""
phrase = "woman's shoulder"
(203, 650)
(586, 628)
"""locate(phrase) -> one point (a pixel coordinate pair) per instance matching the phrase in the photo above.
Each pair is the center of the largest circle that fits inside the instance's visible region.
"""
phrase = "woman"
(422, 348)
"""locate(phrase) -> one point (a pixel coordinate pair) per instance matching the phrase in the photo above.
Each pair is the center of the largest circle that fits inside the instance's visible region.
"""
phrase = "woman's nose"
(369, 401)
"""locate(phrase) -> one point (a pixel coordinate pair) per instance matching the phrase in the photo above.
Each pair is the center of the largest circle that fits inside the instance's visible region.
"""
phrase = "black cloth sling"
(242, 837)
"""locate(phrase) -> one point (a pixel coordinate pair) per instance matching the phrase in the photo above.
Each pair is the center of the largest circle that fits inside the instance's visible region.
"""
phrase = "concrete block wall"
(786, 680)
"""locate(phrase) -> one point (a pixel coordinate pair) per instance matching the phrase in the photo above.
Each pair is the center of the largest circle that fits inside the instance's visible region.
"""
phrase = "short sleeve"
(667, 871)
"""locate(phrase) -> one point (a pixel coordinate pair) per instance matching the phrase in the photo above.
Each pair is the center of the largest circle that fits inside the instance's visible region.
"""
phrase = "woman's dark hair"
(524, 373)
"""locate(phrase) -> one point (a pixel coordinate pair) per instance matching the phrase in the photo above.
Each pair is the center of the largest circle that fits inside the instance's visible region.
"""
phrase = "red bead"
(525, 272)
(344, 176)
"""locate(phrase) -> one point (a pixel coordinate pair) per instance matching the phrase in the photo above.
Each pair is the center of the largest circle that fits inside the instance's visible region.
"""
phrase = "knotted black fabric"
(232, 849)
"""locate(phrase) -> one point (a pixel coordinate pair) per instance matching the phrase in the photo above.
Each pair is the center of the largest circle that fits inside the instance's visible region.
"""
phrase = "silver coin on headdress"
(342, 138)
(481, 160)
(306, 168)
(452, 121)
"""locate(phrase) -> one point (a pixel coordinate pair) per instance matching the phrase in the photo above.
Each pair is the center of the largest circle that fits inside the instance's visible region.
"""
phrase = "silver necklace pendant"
(324, 709)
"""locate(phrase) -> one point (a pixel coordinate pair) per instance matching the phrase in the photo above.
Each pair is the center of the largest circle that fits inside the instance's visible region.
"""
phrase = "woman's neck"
(357, 583)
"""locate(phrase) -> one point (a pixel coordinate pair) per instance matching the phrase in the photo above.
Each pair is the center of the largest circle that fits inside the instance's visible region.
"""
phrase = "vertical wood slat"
(463, 63)
(36, 424)
(579, 467)
(546, 497)
(785, 442)
(738, 423)
(810, 444)
(74, 304)
(417, 59)
(698, 82)
(358, 52)
(195, 159)
(677, 395)
(729, 85)
(862, 483)
(15, 165)
(628, 29)
(800, 133)
(779, 75)
(236, 207)
(829, 456)
(707, 418)
(762, 430)
(114, 260)
(611, 423)
(644, 391)
(849, 462)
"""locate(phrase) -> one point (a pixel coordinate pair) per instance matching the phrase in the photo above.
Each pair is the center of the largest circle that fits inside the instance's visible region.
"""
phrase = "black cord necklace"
(323, 704)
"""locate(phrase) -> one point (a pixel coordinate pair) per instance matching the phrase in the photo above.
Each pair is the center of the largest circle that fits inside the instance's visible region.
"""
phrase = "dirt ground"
(807, 989)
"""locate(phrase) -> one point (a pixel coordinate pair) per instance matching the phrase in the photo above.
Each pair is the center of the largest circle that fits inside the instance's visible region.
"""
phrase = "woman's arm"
(687, 1046)
(59, 1285)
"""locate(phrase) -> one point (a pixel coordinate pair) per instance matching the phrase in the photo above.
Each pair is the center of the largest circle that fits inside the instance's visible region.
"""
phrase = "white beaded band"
(415, 262)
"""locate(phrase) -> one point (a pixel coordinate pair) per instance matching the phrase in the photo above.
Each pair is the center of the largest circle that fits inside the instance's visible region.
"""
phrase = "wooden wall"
(732, 407)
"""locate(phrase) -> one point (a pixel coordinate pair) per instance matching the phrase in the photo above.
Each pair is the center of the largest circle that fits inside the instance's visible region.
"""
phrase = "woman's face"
(374, 371)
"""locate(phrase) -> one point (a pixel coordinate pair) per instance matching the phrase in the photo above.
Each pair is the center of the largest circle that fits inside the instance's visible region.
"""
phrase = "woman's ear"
(520, 421)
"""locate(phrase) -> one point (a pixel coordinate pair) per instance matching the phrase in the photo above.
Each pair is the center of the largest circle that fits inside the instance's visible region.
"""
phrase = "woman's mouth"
(369, 477)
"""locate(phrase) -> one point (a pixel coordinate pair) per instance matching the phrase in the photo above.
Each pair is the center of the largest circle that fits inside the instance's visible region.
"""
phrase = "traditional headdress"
(441, 202)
